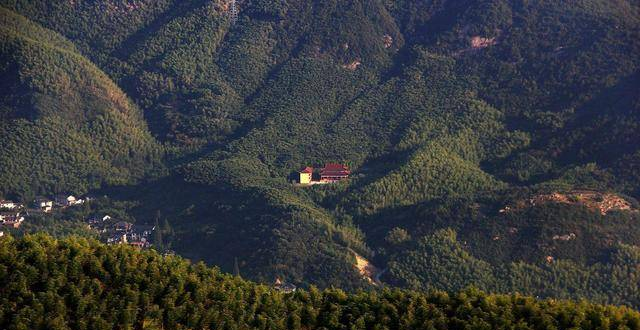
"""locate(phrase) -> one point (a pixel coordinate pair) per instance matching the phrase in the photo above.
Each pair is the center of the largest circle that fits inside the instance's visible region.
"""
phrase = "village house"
(122, 232)
(98, 223)
(131, 238)
(284, 286)
(122, 226)
(333, 172)
(96, 220)
(11, 219)
(145, 231)
(68, 200)
(117, 238)
(139, 244)
(43, 204)
(136, 236)
(9, 205)
(140, 235)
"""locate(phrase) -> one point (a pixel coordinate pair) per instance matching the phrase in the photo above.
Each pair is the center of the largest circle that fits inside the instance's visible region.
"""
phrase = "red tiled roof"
(335, 169)
(307, 170)
(335, 166)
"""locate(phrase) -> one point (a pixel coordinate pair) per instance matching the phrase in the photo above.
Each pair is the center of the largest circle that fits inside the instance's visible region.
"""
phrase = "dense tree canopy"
(80, 284)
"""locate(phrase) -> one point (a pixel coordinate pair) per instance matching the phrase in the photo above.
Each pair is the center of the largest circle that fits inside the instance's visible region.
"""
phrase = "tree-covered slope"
(65, 125)
(441, 108)
(80, 284)
(440, 261)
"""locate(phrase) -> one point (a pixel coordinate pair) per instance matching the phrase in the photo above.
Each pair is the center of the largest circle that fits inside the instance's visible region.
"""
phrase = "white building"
(43, 204)
(11, 219)
(68, 200)
(9, 205)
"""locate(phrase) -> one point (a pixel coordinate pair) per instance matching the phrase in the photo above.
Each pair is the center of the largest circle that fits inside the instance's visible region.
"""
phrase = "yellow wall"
(305, 178)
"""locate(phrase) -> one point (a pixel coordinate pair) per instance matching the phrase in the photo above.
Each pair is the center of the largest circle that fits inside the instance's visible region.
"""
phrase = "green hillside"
(80, 284)
(462, 123)
(65, 125)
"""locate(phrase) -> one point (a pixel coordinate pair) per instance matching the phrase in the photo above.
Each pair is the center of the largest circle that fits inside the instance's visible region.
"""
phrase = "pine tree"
(236, 267)
(157, 239)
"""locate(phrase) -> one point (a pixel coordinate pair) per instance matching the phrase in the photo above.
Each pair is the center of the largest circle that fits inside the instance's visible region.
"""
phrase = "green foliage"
(271, 232)
(550, 250)
(440, 262)
(94, 25)
(55, 226)
(80, 284)
(66, 126)
(397, 236)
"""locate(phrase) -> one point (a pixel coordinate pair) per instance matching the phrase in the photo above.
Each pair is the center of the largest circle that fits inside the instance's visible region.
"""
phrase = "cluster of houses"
(46, 205)
(330, 173)
(12, 214)
(122, 232)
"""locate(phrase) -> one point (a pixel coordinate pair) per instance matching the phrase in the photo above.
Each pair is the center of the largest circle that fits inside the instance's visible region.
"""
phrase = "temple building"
(306, 175)
(333, 172)
(330, 173)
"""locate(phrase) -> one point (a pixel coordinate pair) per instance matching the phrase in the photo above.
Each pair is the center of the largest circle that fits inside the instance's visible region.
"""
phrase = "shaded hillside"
(510, 241)
(440, 261)
(65, 125)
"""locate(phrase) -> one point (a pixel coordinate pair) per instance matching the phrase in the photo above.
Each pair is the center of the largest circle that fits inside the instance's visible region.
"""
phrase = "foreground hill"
(65, 126)
(80, 284)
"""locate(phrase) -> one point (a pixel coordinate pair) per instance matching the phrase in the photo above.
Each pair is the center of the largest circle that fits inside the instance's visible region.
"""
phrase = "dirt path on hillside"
(368, 270)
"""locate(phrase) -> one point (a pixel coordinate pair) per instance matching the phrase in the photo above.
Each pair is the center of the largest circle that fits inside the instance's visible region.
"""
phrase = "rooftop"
(334, 169)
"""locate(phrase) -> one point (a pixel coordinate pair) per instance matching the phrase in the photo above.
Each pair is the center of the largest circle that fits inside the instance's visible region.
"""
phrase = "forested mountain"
(492, 143)
(65, 125)
(79, 284)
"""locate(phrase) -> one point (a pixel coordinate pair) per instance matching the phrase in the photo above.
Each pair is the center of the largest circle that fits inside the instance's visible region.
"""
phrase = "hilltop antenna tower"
(233, 11)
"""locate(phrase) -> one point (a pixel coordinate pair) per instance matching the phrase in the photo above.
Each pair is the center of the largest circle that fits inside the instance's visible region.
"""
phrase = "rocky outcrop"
(602, 202)
(478, 42)
(353, 65)
(367, 269)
